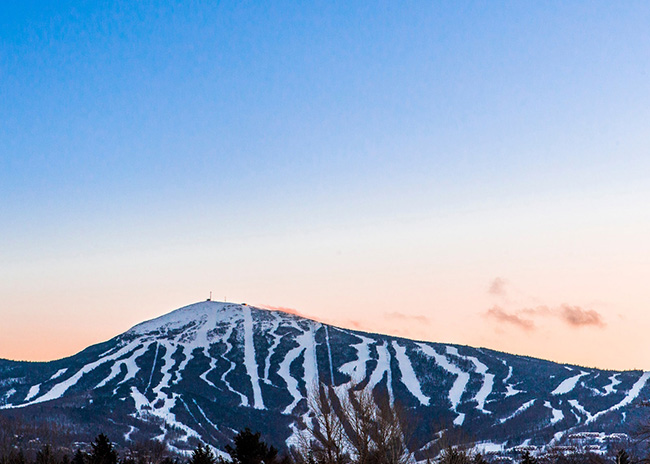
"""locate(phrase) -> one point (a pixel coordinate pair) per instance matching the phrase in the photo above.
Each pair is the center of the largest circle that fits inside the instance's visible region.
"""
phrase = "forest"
(358, 427)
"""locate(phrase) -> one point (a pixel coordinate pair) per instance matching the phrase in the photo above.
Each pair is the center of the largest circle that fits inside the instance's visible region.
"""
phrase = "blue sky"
(135, 131)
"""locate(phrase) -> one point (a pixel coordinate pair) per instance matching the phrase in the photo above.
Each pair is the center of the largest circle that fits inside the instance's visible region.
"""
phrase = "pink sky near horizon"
(568, 296)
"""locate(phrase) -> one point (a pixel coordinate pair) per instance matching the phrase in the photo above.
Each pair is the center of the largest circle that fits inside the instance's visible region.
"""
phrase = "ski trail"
(631, 396)
(510, 389)
(59, 389)
(226, 340)
(153, 367)
(284, 370)
(357, 369)
(310, 365)
(249, 358)
(131, 367)
(519, 410)
(165, 370)
(383, 367)
(568, 384)
(458, 388)
(557, 415)
(276, 342)
(329, 354)
(204, 415)
(576, 404)
(59, 373)
(611, 388)
(409, 379)
(32, 392)
(204, 341)
(130, 363)
(486, 387)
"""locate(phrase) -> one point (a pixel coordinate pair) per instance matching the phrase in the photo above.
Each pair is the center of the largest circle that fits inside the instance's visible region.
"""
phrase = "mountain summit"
(207, 370)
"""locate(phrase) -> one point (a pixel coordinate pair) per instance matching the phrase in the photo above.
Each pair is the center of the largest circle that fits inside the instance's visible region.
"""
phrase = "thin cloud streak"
(407, 317)
(497, 313)
(284, 309)
(573, 316)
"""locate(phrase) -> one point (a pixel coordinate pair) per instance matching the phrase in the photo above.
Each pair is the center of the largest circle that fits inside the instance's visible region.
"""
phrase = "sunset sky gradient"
(466, 172)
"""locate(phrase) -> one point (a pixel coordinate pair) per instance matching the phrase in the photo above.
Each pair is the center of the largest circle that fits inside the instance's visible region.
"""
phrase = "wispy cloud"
(499, 314)
(573, 316)
(395, 315)
(497, 287)
(283, 309)
(578, 317)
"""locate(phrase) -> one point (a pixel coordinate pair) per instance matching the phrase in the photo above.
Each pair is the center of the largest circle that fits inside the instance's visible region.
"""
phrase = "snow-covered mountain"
(207, 370)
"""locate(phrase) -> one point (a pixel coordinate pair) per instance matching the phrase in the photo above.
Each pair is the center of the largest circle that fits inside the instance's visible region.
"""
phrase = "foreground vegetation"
(358, 427)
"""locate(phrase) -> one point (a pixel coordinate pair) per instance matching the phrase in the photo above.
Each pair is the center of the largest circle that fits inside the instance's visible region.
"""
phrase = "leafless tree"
(357, 426)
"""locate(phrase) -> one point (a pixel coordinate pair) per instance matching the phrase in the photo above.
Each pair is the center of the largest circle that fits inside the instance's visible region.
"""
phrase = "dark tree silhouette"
(102, 451)
(202, 455)
(45, 456)
(249, 449)
(79, 457)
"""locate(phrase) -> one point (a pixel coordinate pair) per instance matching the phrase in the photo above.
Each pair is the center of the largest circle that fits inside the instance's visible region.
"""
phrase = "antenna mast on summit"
(210, 299)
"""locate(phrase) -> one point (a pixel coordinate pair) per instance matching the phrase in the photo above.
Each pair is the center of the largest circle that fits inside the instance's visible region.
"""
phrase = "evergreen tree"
(79, 457)
(202, 455)
(249, 449)
(102, 451)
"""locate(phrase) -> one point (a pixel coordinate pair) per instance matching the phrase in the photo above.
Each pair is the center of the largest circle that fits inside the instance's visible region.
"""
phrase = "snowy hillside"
(210, 369)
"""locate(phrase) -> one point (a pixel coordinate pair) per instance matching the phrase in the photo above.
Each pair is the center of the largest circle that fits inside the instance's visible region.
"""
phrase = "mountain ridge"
(203, 371)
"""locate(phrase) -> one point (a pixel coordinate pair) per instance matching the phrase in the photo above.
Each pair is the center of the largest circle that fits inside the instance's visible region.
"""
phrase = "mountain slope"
(207, 370)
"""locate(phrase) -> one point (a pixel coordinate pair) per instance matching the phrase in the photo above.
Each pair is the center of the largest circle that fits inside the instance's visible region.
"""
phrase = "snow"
(510, 390)
(488, 447)
(185, 317)
(204, 415)
(59, 389)
(329, 354)
(9, 394)
(131, 367)
(357, 369)
(127, 435)
(310, 365)
(568, 384)
(631, 395)
(519, 410)
(458, 388)
(611, 388)
(556, 414)
(409, 378)
(276, 342)
(576, 405)
(382, 369)
(59, 373)
(488, 381)
(460, 418)
(32, 392)
(249, 359)
(153, 367)
(284, 370)
(226, 340)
